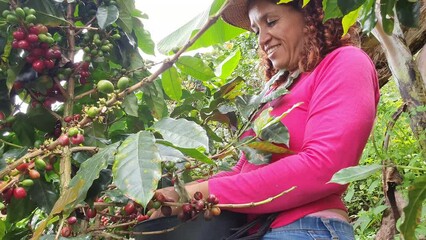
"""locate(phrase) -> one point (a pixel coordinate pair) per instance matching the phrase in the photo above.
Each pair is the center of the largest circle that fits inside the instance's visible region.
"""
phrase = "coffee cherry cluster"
(20, 16)
(96, 47)
(83, 71)
(37, 41)
(73, 136)
(191, 209)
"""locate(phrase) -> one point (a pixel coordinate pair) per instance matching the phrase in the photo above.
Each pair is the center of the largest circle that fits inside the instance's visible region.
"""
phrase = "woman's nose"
(263, 38)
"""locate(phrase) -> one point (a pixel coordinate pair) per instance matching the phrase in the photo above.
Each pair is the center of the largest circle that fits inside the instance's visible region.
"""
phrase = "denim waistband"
(317, 223)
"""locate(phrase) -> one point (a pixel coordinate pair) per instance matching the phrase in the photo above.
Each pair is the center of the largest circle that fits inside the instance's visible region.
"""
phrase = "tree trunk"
(415, 38)
(407, 75)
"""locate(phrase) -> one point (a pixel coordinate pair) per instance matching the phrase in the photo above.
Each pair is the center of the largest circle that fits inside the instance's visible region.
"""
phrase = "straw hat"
(236, 13)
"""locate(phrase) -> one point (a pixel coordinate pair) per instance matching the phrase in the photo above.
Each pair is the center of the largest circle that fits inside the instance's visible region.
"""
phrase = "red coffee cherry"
(198, 195)
(32, 38)
(72, 220)
(77, 139)
(22, 167)
(66, 231)
(38, 66)
(34, 174)
(91, 213)
(199, 205)
(19, 193)
(186, 208)
(166, 210)
(18, 35)
(24, 44)
(129, 208)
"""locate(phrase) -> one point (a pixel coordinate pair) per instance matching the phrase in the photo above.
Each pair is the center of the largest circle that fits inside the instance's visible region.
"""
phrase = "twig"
(55, 115)
(60, 228)
(80, 96)
(11, 144)
(10, 183)
(61, 89)
(240, 205)
(391, 124)
(255, 204)
(114, 226)
(83, 148)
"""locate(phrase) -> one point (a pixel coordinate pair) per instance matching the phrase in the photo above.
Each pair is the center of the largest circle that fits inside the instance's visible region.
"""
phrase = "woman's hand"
(167, 194)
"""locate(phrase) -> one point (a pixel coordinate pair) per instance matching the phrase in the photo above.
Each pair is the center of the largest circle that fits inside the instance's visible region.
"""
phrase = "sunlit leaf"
(413, 211)
(349, 20)
(305, 2)
(168, 153)
(172, 84)
(137, 167)
(227, 66)
(182, 133)
(284, 1)
(220, 32)
(356, 173)
(125, 19)
(107, 15)
(145, 42)
(195, 67)
(190, 152)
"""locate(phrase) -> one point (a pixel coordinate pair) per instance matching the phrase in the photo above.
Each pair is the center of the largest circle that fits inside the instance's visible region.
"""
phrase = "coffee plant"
(89, 131)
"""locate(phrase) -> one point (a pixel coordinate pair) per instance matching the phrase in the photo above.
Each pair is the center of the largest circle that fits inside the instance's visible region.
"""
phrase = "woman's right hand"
(167, 194)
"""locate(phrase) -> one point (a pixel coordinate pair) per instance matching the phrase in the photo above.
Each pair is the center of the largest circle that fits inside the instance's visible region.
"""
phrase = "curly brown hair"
(320, 38)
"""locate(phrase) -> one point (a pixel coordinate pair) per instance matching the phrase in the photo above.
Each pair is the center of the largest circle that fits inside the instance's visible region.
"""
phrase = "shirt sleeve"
(341, 114)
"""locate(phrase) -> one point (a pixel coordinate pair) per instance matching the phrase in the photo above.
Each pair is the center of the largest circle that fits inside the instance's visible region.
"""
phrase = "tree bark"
(415, 38)
(405, 72)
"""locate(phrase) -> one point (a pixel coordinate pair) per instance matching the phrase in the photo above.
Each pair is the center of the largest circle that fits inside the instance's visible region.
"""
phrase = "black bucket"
(197, 229)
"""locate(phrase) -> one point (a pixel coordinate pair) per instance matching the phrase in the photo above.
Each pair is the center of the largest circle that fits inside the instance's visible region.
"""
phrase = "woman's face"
(280, 32)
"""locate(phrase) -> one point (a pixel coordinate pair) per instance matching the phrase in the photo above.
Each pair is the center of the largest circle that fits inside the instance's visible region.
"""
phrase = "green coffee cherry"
(123, 83)
(20, 12)
(27, 183)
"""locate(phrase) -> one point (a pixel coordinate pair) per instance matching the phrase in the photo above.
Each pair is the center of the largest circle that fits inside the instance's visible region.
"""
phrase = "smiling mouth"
(270, 50)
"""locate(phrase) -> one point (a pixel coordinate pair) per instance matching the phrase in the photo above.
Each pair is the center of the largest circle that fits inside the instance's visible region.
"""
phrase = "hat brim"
(236, 14)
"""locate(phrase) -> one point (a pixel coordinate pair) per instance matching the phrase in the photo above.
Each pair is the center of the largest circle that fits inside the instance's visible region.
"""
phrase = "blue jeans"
(312, 228)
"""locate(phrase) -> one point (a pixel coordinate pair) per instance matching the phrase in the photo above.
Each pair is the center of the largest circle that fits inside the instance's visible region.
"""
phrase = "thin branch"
(83, 148)
(80, 96)
(241, 205)
(61, 89)
(11, 144)
(391, 124)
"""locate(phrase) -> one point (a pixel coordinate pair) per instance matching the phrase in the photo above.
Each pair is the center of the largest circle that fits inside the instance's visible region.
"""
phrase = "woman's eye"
(271, 23)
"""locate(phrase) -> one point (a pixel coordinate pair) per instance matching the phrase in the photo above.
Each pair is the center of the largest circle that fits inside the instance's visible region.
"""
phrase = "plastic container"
(197, 229)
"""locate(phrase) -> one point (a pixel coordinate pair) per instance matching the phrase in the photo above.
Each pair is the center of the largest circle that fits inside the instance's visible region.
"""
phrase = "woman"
(338, 87)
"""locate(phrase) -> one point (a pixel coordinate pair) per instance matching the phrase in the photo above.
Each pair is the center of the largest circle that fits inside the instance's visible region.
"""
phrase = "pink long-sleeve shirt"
(328, 132)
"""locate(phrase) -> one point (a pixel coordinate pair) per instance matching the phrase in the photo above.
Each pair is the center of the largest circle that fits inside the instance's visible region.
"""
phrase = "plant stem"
(411, 168)
(10, 144)
(65, 164)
